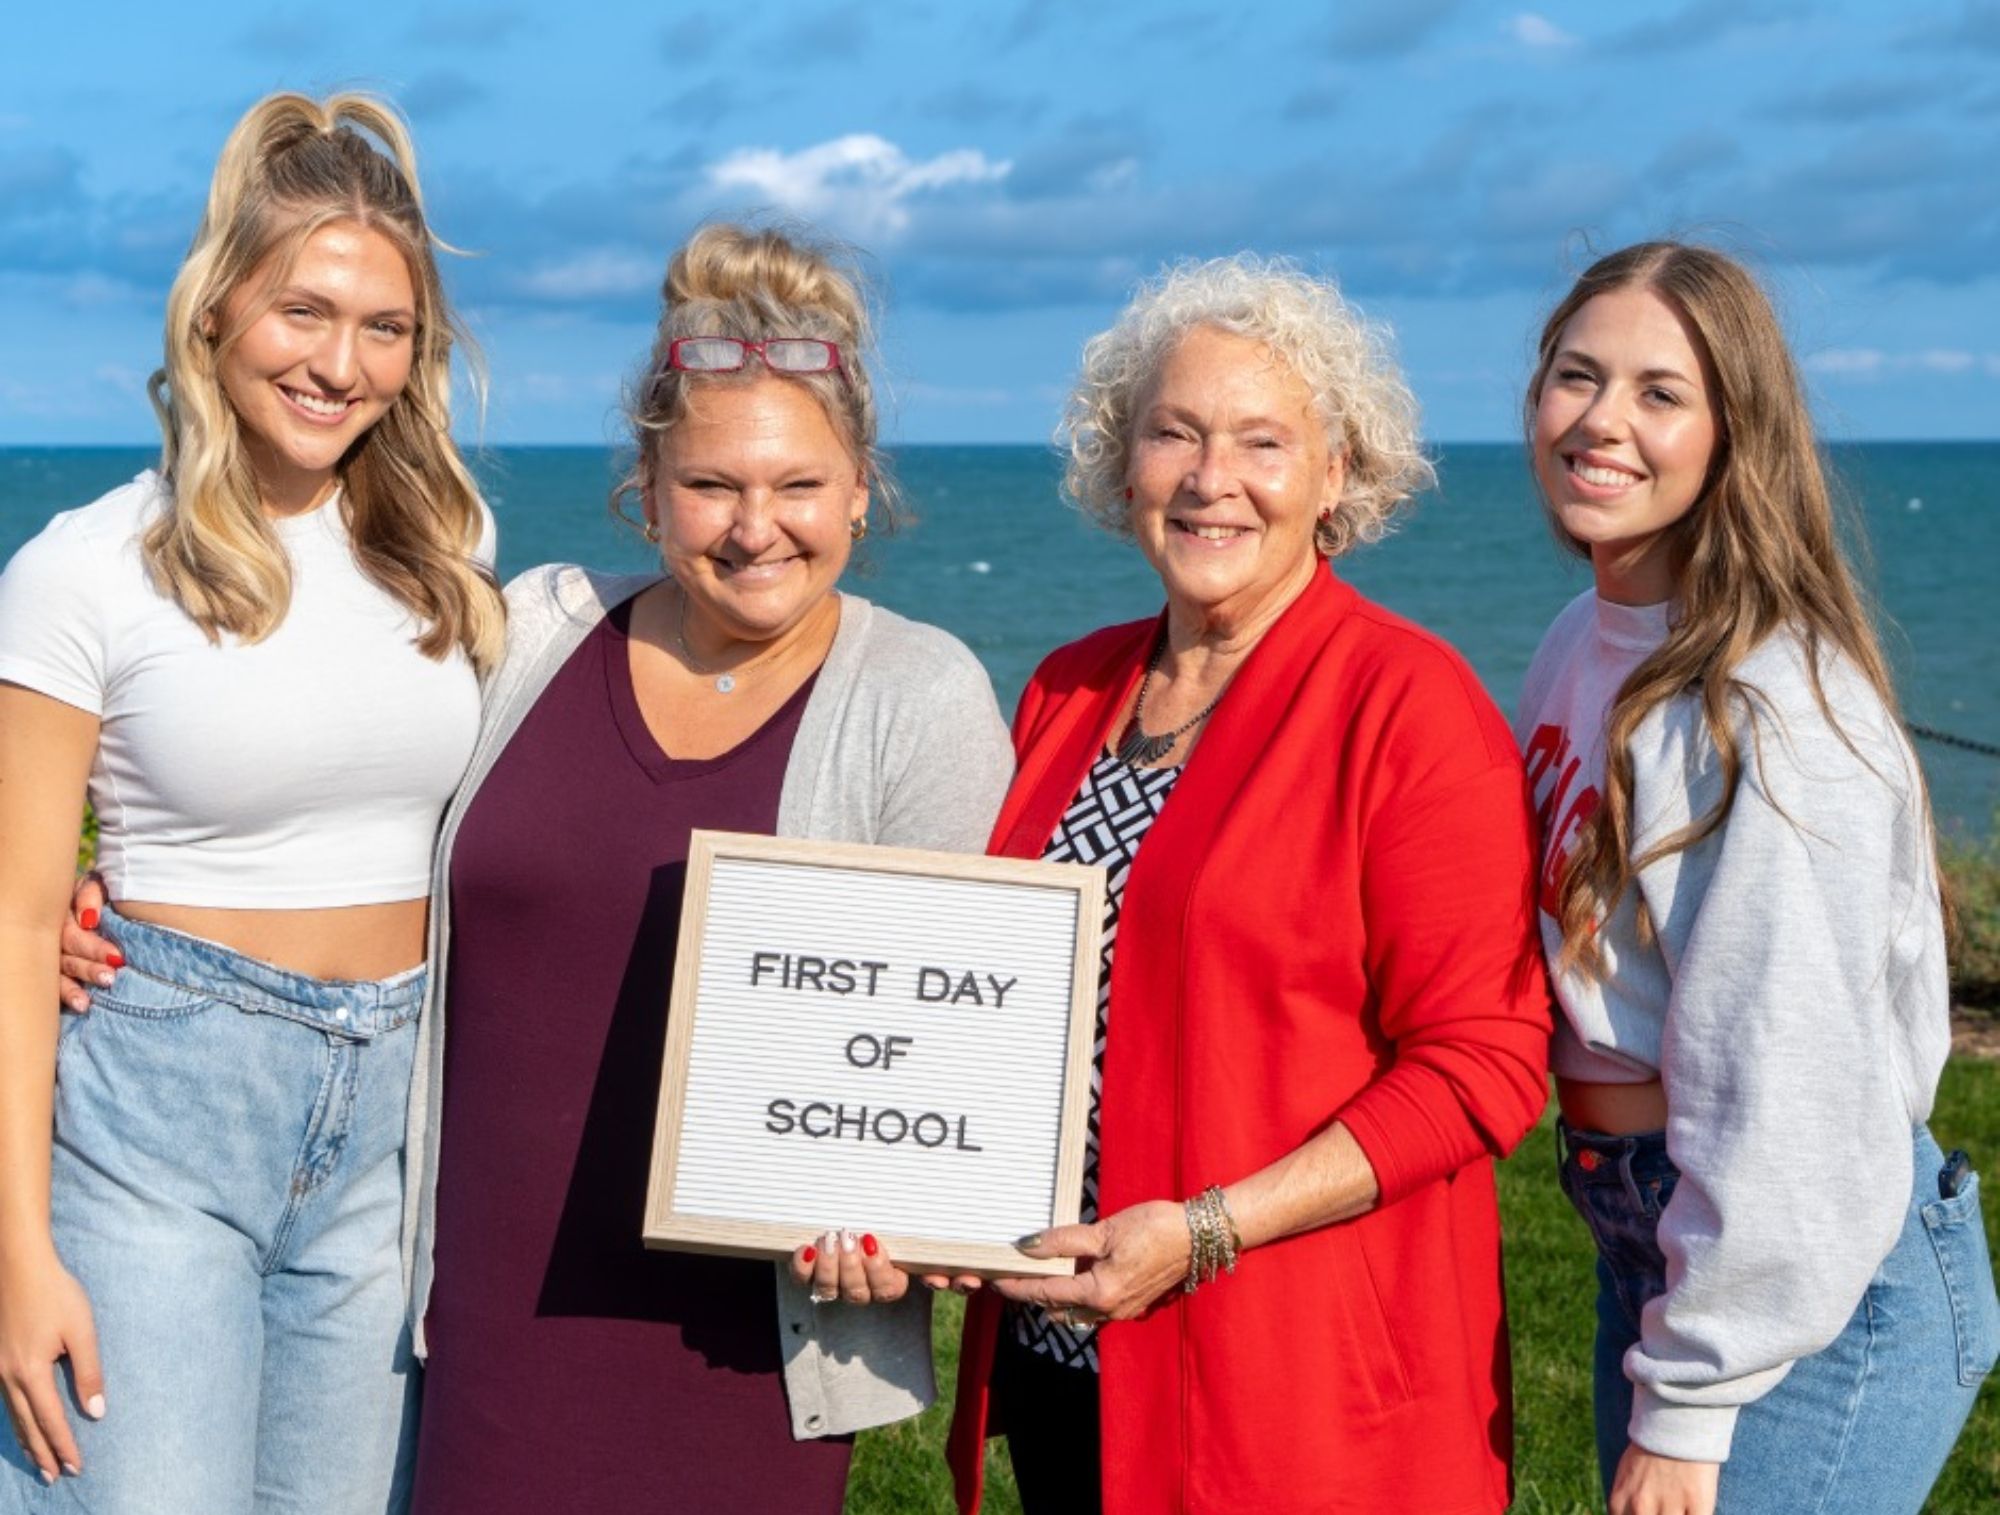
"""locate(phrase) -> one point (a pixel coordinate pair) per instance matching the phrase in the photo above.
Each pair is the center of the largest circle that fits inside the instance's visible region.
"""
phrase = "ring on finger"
(823, 1299)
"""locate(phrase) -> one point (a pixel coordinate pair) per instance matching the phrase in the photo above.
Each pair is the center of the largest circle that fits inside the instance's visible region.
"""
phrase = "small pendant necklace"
(1139, 750)
(725, 681)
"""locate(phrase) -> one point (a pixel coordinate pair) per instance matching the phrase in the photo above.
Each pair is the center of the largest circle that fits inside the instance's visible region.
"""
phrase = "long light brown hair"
(1758, 552)
(291, 166)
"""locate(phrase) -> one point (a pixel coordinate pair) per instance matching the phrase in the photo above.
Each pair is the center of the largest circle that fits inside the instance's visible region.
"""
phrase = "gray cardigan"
(901, 743)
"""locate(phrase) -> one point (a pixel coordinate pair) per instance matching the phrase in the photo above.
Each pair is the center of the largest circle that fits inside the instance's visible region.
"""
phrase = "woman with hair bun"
(262, 663)
(569, 1367)
(1740, 903)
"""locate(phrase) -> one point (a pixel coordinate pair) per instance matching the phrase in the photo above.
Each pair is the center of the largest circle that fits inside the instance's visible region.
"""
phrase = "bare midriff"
(356, 942)
(1615, 1109)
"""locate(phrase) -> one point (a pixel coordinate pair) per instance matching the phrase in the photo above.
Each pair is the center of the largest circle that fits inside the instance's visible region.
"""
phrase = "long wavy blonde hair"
(291, 166)
(1759, 551)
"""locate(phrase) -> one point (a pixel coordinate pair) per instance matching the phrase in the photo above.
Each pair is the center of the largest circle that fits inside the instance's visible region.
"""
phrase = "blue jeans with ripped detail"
(227, 1186)
(1861, 1427)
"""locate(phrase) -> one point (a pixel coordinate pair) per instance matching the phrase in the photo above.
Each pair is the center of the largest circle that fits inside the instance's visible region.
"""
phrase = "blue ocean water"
(995, 557)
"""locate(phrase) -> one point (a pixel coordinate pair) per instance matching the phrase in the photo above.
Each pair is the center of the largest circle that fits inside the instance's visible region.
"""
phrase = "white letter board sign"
(873, 1037)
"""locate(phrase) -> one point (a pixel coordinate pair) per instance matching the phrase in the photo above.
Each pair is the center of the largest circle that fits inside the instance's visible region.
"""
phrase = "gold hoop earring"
(651, 532)
(857, 528)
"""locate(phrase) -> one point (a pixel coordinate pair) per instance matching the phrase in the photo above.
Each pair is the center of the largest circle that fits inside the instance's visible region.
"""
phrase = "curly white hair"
(1344, 359)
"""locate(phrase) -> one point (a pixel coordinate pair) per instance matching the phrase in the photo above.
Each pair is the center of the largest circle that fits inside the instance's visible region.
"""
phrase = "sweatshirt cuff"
(1692, 1433)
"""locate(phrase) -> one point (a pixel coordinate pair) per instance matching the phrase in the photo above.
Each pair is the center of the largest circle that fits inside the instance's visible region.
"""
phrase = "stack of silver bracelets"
(1212, 1238)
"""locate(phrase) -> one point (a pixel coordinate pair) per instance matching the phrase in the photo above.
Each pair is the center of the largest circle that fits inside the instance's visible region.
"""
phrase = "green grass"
(1972, 874)
(900, 1470)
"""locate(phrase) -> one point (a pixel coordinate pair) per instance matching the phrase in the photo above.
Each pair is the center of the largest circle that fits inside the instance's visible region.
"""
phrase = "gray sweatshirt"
(902, 744)
(1794, 1001)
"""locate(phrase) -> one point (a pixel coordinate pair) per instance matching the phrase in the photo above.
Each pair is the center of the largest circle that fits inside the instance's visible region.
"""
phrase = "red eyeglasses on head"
(728, 354)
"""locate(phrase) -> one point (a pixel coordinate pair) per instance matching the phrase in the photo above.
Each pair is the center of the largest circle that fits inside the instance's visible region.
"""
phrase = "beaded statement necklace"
(1138, 750)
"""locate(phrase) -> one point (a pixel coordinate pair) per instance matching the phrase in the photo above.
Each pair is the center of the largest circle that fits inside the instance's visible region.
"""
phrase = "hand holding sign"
(1134, 1257)
(849, 1266)
(913, 1050)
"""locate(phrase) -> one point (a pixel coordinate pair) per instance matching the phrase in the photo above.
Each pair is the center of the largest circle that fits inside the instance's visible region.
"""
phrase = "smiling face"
(755, 496)
(1625, 430)
(1229, 469)
(323, 356)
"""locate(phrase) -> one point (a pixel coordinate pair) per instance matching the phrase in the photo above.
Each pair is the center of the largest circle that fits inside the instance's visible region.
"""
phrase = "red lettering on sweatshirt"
(1553, 766)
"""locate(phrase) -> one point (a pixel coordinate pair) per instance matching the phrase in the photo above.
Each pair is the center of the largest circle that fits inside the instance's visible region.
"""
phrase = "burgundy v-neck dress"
(571, 1368)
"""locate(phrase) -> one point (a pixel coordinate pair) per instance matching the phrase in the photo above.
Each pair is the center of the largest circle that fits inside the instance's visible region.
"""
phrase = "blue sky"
(1013, 167)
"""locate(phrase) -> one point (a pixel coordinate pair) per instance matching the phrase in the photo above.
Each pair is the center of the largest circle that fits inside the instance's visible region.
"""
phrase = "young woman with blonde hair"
(1740, 902)
(262, 664)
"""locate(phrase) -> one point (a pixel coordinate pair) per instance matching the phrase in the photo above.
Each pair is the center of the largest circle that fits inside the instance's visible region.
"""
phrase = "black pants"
(1049, 1413)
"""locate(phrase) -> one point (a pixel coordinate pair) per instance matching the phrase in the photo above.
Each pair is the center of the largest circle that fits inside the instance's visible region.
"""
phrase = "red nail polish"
(87, 919)
(870, 1245)
(115, 959)
(811, 1254)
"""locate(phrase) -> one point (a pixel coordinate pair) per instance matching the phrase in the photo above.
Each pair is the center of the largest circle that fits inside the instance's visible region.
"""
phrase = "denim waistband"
(347, 1007)
(1597, 1157)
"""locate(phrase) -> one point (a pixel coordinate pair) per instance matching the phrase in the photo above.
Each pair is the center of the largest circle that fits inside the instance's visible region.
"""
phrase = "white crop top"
(307, 770)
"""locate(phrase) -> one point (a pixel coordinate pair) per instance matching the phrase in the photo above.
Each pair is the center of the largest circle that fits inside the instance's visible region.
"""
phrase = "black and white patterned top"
(1104, 824)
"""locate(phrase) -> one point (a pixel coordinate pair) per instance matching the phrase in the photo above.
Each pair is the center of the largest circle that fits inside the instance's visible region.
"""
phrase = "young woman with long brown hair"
(1740, 902)
(261, 662)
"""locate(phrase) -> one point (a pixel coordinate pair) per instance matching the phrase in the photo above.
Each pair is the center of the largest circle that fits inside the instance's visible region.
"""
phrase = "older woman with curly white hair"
(1321, 1013)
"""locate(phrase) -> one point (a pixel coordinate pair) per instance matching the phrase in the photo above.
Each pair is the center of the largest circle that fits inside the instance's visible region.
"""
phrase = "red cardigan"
(1331, 920)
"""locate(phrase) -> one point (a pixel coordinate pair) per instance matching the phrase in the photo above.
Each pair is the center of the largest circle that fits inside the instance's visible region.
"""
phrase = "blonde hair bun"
(756, 284)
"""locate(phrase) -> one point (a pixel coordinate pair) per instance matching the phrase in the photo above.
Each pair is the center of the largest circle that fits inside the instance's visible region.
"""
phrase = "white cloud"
(121, 377)
(87, 291)
(1939, 360)
(594, 275)
(1874, 363)
(1847, 362)
(860, 182)
(1531, 30)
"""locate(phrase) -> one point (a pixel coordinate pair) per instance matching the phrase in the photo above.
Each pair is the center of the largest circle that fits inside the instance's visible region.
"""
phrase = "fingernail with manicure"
(73, 1470)
(870, 1245)
(115, 959)
(94, 1407)
(847, 1241)
(811, 1254)
(87, 919)
(1032, 1239)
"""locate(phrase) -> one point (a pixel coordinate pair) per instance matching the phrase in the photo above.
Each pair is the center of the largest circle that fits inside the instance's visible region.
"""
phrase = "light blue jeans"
(1861, 1427)
(227, 1187)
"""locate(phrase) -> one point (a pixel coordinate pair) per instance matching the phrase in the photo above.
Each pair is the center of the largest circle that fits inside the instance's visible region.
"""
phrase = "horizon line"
(475, 447)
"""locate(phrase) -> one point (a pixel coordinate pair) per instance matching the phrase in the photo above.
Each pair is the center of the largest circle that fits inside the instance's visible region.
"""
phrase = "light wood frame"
(666, 1227)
